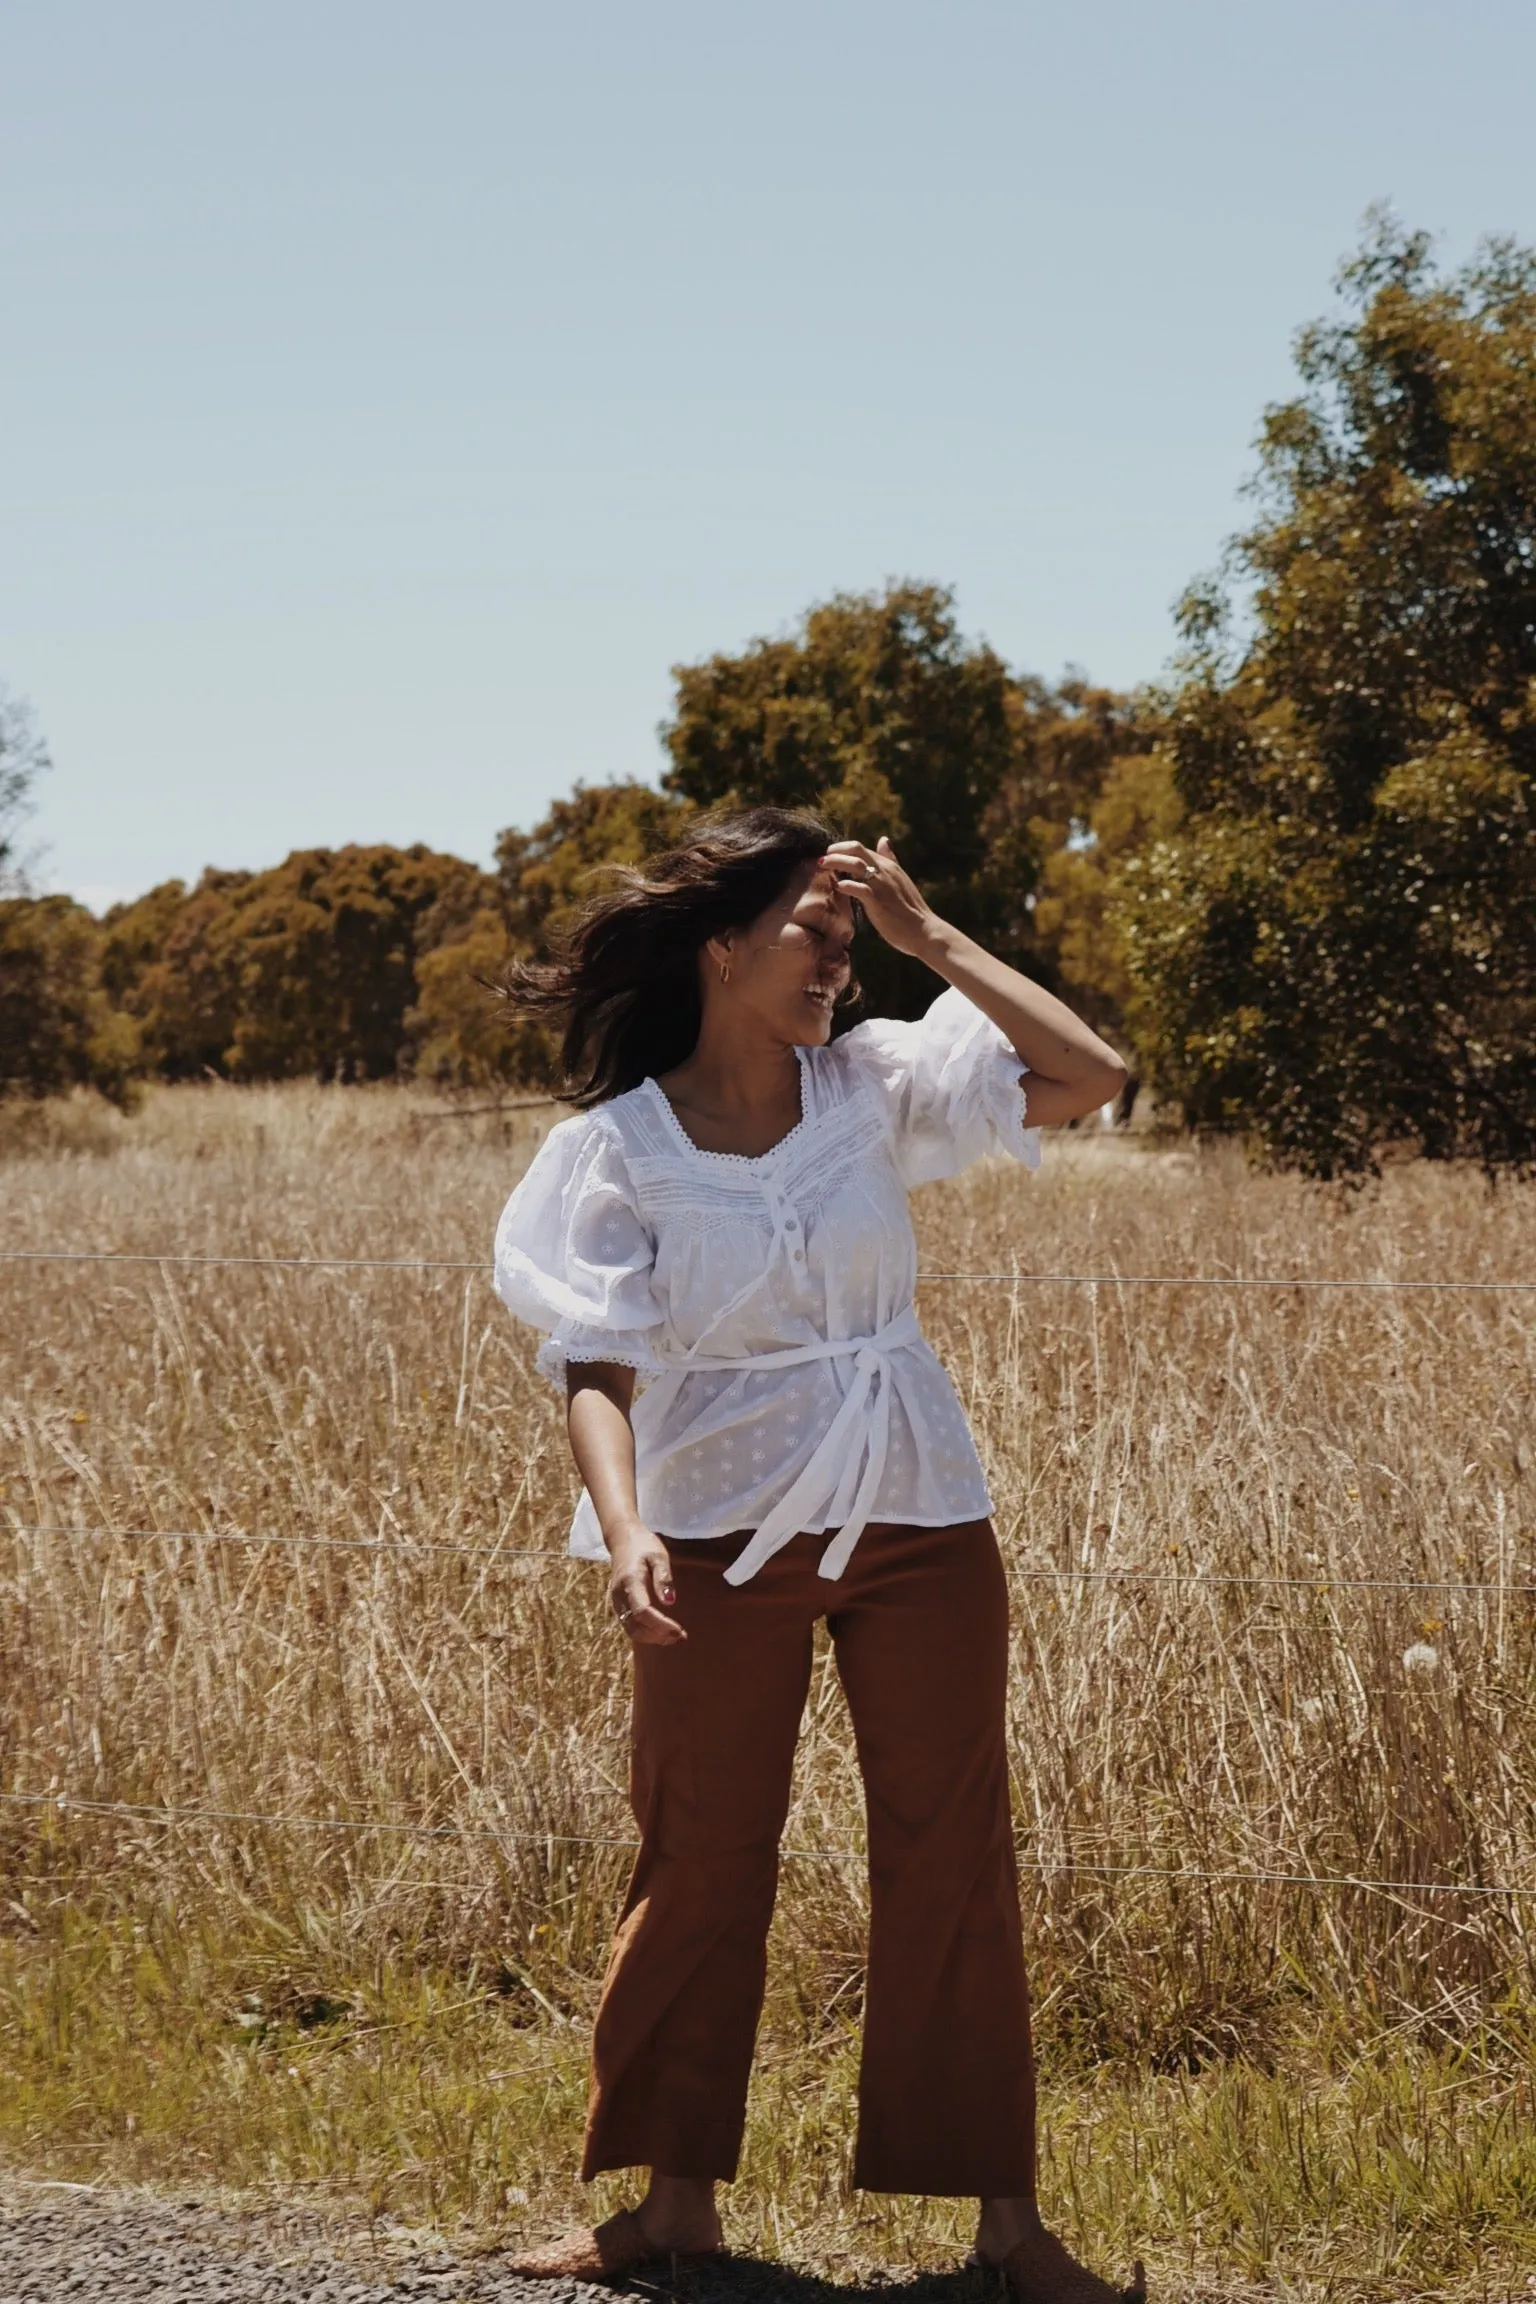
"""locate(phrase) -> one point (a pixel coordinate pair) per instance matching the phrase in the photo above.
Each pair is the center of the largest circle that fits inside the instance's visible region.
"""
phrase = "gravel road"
(87, 2246)
(63, 2242)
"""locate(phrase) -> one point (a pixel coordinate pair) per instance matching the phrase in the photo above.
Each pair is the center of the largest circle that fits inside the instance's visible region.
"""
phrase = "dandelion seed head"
(1312, 1708)
(1421, 1659)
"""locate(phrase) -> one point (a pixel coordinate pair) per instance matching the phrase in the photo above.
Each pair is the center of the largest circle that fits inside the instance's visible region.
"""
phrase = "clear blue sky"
(391, 394)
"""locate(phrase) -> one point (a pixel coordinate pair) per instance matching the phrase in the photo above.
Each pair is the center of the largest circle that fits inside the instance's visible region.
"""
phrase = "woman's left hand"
(893, 903)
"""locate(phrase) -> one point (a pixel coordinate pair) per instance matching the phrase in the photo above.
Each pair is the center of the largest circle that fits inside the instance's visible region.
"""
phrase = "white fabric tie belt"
(812, 1495)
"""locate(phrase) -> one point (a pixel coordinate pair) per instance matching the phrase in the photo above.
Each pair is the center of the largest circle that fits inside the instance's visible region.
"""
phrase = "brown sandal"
(1040, 2270)
(603, 2252)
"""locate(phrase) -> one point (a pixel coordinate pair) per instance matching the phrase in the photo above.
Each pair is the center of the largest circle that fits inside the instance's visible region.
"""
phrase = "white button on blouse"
(766, 1304)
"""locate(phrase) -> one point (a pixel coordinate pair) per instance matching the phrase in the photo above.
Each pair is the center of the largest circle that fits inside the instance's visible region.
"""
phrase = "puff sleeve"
(574, 1256)
(952, 1085)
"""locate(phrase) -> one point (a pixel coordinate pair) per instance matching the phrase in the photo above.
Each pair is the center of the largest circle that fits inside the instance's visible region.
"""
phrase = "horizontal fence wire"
(991, 1279)
(65, 1804)
(1180, 1578)
(292, 1263)
(408, 1546)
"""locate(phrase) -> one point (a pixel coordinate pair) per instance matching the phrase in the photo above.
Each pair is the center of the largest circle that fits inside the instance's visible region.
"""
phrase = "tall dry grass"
(1174, 1739)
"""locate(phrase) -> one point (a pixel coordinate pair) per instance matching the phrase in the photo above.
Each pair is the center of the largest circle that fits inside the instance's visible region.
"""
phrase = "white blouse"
(766, 1304)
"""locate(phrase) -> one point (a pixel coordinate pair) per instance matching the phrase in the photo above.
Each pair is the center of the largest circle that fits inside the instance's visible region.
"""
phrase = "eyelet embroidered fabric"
(767, 1304)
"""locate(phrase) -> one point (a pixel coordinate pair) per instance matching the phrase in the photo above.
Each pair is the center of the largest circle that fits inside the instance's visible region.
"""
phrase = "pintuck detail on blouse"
(766, 1303)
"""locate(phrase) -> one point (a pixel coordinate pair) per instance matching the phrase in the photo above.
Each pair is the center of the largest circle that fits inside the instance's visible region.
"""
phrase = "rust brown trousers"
(919, 1625)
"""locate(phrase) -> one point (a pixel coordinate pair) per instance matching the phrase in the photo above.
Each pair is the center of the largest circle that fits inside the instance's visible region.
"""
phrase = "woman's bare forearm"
(598, 1398)
(1074, 1071)
(1057, 1046)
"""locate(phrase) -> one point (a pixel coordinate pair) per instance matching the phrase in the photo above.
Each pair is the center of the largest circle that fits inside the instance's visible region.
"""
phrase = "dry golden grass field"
(1246, 2077)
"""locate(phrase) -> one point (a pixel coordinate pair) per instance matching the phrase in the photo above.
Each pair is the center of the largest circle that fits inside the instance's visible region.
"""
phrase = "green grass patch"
(145, 2051)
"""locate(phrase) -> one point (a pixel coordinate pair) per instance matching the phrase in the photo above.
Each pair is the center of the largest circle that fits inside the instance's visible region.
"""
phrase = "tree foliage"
(364, 963)
(1335, 947)
(167, 962)
(23, 758)
(457, 1034)
(1081, 795)
(462, 1037)
(879, 713)
(1299, 880)
(58, 1028)
(310, 968)
(546, 874)
(1075, 917)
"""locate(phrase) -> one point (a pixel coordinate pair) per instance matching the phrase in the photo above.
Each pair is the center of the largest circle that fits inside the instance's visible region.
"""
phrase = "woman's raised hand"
(641, 1588)
(893, 903)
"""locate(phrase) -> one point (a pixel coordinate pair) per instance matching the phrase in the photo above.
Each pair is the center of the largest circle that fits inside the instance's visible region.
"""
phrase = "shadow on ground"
(755, 2280)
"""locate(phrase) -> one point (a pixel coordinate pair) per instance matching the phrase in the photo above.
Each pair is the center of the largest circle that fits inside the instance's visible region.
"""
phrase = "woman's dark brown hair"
(624, 980)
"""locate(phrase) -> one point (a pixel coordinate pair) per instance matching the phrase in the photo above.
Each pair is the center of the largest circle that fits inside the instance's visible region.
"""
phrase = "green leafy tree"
(1082, 794)
(877, 712)
(1075, 919)
(1335, 949)
(546, 875)
(326, 949)
(58, 1026)
(310, 968)
(462, 1035)
(169, 965)
(58, 1029)
(458, 1032)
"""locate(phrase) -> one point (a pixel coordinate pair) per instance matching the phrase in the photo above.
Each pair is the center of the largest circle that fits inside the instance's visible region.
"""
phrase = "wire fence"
(1383, 1283)
(409, 1548)
(65, 1804)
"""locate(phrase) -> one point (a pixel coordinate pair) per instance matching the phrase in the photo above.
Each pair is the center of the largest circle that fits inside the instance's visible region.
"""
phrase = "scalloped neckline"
(738, 1159)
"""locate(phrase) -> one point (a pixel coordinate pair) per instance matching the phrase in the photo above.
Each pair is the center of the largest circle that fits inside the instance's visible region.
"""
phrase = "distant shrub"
(58, 1029)
(310, 969)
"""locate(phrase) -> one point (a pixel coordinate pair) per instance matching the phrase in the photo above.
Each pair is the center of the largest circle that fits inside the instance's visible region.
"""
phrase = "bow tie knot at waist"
(810, 1497)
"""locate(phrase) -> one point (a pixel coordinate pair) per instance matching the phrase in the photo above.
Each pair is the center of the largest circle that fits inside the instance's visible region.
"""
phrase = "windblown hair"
(624, 979)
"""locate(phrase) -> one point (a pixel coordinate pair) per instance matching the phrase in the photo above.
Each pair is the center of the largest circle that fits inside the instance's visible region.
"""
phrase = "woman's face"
(788, 968)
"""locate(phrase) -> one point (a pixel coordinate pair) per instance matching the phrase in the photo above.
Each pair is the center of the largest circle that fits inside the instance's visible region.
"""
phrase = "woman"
(720, 1249)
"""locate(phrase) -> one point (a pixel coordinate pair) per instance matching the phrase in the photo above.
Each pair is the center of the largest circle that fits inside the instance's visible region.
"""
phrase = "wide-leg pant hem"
(698, 2168)
(1000, 2181)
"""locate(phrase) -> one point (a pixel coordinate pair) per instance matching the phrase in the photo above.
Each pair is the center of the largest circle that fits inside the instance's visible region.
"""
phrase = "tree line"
(369, 963)
(1296, 880)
